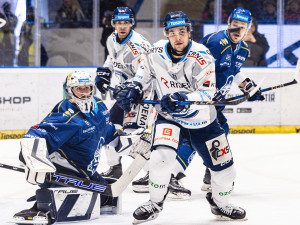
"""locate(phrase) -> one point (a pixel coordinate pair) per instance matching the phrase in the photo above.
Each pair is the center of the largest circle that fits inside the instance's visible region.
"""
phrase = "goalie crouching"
(68, 141)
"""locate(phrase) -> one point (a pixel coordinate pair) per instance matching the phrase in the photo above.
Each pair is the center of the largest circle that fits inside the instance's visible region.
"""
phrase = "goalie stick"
(114, 189)
(232, 101)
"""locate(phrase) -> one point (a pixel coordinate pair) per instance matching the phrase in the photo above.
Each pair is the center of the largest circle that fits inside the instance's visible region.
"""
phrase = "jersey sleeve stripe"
(245, 48)
(60, 105)
(211, 36)
(225, 49)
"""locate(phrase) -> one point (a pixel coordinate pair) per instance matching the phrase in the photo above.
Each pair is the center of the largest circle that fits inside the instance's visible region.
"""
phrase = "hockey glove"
(34, 155)
(168, 103)
(218, 97)
(103, 77)
(248, 87)
(126, 95)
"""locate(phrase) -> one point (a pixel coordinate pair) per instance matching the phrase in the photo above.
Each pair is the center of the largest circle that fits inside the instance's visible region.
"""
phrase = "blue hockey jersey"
(228, 62)
(74, 139)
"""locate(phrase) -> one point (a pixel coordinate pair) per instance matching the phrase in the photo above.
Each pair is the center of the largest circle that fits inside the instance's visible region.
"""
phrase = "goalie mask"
(80, 89)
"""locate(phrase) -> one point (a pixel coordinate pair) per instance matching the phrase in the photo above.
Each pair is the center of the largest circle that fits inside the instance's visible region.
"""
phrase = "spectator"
(26, 55)
(292, 14)
(70, 14)
(258, 47)
(268, 14)
(107, 29)
(209, 12)
(7, 37)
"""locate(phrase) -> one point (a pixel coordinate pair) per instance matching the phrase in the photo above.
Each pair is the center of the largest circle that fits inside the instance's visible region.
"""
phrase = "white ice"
(267, 185)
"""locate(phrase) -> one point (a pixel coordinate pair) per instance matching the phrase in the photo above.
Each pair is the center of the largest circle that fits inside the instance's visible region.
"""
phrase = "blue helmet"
(243, 15)
(176, 19)
(122, 13)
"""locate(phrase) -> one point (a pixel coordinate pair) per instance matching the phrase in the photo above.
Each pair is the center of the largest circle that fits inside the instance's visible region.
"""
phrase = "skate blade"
(178, 196)
(135, 221)
(206, 187)
(35, 220)
(142, 189)
(225, 218)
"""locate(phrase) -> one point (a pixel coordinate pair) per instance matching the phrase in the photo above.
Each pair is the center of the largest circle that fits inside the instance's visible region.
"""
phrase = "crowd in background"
(79, 14)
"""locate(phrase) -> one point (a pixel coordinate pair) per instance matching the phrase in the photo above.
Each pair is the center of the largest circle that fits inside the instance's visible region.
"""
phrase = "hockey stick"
(114, 189)
(232, 101)
(294, 81)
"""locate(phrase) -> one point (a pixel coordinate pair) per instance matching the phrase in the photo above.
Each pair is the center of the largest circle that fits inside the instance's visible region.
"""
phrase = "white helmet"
(80, 89)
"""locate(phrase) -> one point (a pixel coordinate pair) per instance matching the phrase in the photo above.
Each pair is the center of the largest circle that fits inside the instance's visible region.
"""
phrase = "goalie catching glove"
(34, 155)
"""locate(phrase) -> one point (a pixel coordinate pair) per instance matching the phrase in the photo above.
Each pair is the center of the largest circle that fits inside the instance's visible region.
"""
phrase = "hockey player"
(125, 47)
(182, 71)
(67, 141)
(230, 52)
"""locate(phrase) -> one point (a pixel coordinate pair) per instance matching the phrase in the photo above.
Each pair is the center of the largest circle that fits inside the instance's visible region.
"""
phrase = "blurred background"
(73, 32)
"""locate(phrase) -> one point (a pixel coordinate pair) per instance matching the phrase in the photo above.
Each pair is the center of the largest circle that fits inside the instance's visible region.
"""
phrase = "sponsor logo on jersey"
(207, 73)
(67, 113)
(198, 57)
(54, 127)
(155, 50)
(91, 129)
(174, 84)
(224, 42)
(241, 57)
(206, 83)
(119, 65)
(167, 131)
(165, 82)
(132, 48)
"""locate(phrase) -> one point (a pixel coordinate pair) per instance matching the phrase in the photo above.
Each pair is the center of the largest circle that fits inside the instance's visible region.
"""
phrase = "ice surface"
(267, 185)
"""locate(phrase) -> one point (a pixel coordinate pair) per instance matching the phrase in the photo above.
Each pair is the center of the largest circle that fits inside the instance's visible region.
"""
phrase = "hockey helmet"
(243, 15)
(122, 13)
(176, 19)
(82, 97)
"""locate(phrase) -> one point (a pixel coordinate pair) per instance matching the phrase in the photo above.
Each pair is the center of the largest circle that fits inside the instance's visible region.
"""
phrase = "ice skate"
(206, 181)
(114, 172)
(146, 212)
(229, 212)
(141, 185)
(176, 189)
(32, 216)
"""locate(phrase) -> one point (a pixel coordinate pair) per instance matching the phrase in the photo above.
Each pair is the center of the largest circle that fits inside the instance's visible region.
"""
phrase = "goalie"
(68, 141)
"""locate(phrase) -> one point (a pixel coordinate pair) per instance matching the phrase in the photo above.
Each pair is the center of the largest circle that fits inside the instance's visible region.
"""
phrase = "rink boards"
(28, 94)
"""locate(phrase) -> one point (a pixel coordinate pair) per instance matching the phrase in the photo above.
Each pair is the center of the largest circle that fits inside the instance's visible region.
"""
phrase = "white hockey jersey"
(123, 58)
(194, 74)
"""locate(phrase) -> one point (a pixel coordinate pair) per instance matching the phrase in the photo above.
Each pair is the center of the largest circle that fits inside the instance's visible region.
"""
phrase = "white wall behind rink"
(27, 95)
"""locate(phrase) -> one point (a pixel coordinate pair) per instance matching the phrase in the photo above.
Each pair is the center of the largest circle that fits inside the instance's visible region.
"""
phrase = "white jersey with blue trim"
(123, 58)
(194, 74)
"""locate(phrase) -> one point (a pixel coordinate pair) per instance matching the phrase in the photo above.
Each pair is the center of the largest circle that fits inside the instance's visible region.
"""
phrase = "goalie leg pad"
(68, 204)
